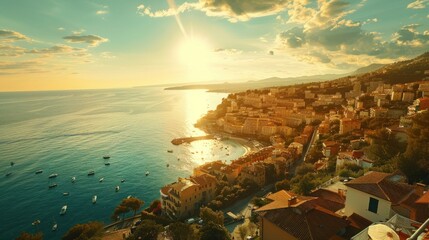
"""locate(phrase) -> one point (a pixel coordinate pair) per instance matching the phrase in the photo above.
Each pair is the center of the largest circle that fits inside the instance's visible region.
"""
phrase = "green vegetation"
(213, 231)
(127, 205)
(182, 231)
(87, 231)
(208, 215)
(147, 230)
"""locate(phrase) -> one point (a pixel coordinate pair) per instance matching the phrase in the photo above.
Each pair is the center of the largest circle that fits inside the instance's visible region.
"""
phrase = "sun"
(194, 52)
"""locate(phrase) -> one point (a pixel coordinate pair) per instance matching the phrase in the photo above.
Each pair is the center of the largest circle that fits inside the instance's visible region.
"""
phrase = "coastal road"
(300, 160)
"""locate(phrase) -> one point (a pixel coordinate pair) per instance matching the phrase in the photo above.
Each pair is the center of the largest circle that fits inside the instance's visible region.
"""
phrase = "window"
(373, 205)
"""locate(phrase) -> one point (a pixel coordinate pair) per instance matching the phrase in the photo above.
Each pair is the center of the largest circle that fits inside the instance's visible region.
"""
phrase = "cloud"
(11, 51)
(418, 4)
(58, 49)
(233, 10)
(61, 29)
(102, 12)
(228, 51)
(92, 40)
(107, 55)
(12, 36)
(147, 11)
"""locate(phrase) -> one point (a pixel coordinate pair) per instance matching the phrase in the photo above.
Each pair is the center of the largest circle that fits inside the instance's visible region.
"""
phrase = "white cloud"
(61, 29)
(92, 40)
(102, 12)
(107, 55)
(418, 4)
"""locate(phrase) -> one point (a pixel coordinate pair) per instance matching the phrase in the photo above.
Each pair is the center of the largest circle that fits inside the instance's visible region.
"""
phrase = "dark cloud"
(55, 50)
(11, 51)
(92, 40)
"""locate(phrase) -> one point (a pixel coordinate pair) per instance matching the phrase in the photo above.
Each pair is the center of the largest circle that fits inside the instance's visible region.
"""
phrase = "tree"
(147, 230)
(29, 236)
(132, 203)
(305, 184)
(120, 210)
(242, 230)
(208, 215)
(304, 169)
(283, 185)
(180, 231)
(87, 231)
(213, 231)
(155, 207)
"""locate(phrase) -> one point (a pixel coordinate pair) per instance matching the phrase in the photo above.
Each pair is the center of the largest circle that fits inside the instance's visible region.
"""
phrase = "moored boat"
(54, 227)
(123, 180)
(52, 185)
(147, 173)
(8, 174)
(39, 171)
(117, 188)
(170, 151)
(53, 175)
(101, 179)
(63, 210)
(90, 173)
(94, 199)
(106, 157)
(73, 179)
(66, 193)
(107, 164)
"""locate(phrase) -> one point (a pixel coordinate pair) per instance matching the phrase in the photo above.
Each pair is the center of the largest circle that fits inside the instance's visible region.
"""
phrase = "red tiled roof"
(306, 221)
(358, 221)
(424, 199)
(382, 186)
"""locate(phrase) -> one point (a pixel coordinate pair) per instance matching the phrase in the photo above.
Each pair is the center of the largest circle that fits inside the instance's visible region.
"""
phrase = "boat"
(52, 185)
(178, 159)
(36, 222)
(147, 173)
(8, 174)
(39, 171)
(129, 196)
(91, 173)
(168, 165)
(107, 164)
(117, 188)
(12, 163)
(106, 157)
(63, 210)
(122, 180)
(170, 151)
(53, 175)
(101, 179)
(66, 193)
(94, 199)
(73, 179)
(54, 227)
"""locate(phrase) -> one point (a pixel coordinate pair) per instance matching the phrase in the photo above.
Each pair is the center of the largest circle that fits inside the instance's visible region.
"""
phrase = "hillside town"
(330, 126)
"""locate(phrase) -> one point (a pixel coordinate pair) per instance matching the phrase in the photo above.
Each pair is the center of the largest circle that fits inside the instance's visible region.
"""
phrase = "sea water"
(69, 132)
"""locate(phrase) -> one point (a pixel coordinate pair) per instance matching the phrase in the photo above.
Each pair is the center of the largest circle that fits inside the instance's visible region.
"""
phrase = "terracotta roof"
(382, 185)
(204, 179)
(306, 221)
(280, 199)
(424, 199)
(358, 221)
(328, 199)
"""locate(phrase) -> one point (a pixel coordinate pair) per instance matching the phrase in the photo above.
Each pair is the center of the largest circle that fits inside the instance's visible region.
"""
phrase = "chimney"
(420, 188)
(292, 200)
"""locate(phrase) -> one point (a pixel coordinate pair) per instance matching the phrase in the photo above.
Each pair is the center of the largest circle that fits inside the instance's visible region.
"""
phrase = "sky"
(91, 44)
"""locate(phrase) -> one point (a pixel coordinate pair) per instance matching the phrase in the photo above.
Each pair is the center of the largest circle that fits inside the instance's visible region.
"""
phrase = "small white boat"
(54, 226)
(53, 175)
(63, 210)
(129, 196)
(73, 179)
(94, 199)
(147, 173)
(91, 173)
(117, 188)
(66, 193)
(106, 157)
(36, 222)
(123, 180)
(39, 171)
(101, 179)
(52, 185)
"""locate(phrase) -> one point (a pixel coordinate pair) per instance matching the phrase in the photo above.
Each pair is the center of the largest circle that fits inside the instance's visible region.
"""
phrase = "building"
(254, 172)
(348, 125)
(378, 196)
(183, 199)
(290, 216)
(330, 148)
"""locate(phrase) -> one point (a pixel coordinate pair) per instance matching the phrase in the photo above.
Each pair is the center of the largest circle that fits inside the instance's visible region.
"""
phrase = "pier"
(178, 141)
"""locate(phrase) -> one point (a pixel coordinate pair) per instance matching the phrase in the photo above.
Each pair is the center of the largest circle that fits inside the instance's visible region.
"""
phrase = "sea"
(68, 133)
